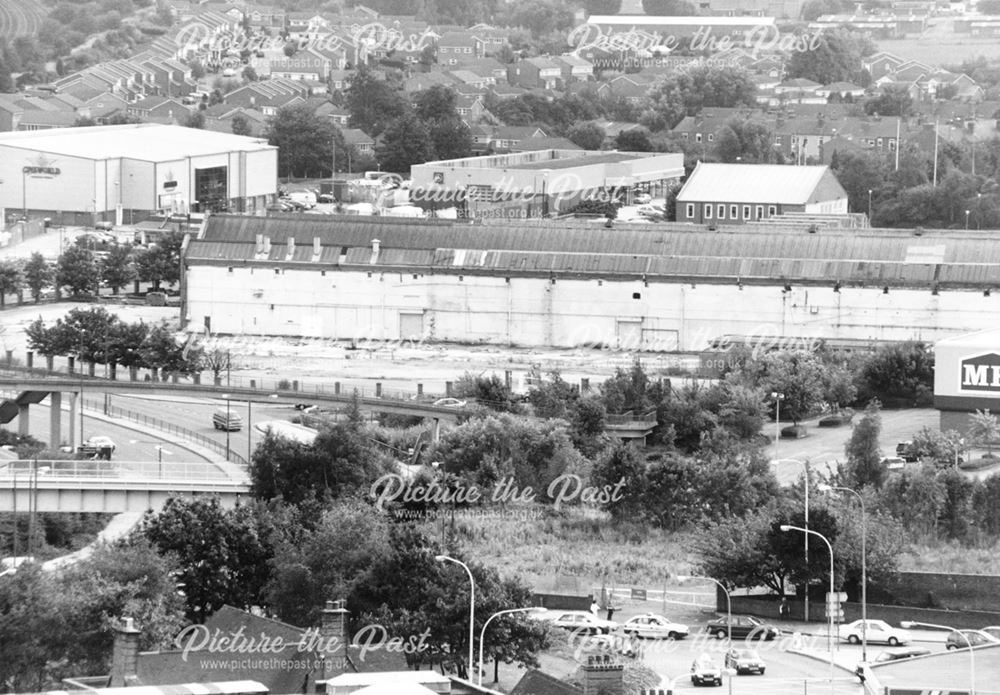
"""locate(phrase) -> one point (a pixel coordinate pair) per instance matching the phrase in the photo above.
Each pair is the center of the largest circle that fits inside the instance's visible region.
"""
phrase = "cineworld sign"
(980, 373)
(41, 171)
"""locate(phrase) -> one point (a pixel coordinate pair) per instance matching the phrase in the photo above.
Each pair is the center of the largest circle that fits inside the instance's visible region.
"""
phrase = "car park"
(582, 622)
(705, 671)
(745, 661)
(962, 639)
(743, 626)
(876, 631)
(654, 626)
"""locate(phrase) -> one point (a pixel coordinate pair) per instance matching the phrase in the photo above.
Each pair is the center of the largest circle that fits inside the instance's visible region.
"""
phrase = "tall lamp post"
(864, 564)
(729, 614)
(778, 397)
(805, 501)
(228, 420)
(472, 601)
(786, 528)
(907, 624)
(482, 634)
(869, 207)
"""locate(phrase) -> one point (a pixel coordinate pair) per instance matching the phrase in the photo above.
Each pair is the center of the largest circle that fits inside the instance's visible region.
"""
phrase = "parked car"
(743, 626)
(992, 630)
(581, 621)
(794, 432)
(962, 639)
(745, 661)
(642, 198)
(655, 626)
(704, 671)
(877, 631)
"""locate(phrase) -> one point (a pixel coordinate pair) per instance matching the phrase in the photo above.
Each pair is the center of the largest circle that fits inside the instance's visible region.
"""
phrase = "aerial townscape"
(499, 347)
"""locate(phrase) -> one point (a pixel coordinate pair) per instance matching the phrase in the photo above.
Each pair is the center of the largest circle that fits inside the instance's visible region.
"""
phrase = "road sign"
(836, 596)
(835, 612)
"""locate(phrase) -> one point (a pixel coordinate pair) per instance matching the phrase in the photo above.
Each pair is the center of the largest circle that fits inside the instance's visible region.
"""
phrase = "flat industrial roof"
(143, 141)
(570, 162)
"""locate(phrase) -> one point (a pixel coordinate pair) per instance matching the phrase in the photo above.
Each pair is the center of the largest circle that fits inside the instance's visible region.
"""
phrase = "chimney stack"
(602, 675)
(335, 638)
(376, 246)
(125, 655)
(317, 248)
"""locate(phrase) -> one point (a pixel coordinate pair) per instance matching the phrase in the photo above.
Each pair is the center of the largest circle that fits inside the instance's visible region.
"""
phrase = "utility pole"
(935, 151)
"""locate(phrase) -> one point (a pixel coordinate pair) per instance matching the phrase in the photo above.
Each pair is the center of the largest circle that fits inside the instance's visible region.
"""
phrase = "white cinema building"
(124, 173)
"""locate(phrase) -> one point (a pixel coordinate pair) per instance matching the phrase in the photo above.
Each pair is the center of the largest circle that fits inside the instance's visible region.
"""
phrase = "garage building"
(123, 173)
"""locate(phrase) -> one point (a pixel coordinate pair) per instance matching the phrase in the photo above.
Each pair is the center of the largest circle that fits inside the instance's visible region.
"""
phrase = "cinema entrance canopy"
(966, 376)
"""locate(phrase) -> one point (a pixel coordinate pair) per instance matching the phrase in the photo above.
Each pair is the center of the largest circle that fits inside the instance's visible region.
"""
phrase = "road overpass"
(111, 486)
(34, 385)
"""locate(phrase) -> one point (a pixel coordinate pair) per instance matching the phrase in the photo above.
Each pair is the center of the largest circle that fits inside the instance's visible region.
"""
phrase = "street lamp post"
(786, 528)
(967, 219)
(482, 635)
(907, 624)
(228, 420)
(778, 397)
(864, 565)
(160, 451)
(472, 600)
(869, 207)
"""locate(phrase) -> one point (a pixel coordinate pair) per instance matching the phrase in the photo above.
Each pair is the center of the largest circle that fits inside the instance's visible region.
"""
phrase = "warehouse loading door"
(629, 335)
(411, 326)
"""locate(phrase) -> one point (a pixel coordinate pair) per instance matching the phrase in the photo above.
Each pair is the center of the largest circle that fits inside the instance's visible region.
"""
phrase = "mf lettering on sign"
(980, 373)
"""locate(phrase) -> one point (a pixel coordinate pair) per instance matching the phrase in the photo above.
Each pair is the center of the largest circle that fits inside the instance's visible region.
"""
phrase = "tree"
(490, 391)
(797, 375)
(38, 275)
(604, 7)
(668, 8)
(864, 461)
(587, 135)
(836, 58)
(858, 173)
(116, 267)
(219, 553)
(240, 125)
(914, 496)
(304, 140)
(634, 140)
(984, 429)
(195, 120)
(372, 103)
(747, 141)
(553, 398)
(160, 262)
(687, 91)
(621, 468)
(437, 108)
(197, 69)
(249, 74)
(341, 461)
(898, 375)
(890, 102)
(405, 142)
(161, 350)
(217, 361)
(11, 280)
(77, 270)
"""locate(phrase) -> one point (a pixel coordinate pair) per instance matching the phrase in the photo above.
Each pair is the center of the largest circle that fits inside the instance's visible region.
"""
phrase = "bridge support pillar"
(22, 419)
(55, 420)
(74, 403)
(437, 429)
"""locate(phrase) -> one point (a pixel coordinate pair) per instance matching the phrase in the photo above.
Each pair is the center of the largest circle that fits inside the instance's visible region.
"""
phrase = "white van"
(227, 420)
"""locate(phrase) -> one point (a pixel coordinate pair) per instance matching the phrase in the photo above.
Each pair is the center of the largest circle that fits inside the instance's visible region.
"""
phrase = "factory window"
(720, 212)
(708, 211)
(734, 212)
(690, 209)
(771, 210)
(230, 269)
(746, 212)
(711, 137)
(636, 295)
(277, 271)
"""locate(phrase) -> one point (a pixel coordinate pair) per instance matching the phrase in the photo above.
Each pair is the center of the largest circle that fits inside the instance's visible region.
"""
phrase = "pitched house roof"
(535, 682)
(760, 183)
(356, 137)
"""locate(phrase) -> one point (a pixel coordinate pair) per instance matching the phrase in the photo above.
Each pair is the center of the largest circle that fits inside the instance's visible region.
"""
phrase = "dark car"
(743, 626)
(962, 639)
(745, 661)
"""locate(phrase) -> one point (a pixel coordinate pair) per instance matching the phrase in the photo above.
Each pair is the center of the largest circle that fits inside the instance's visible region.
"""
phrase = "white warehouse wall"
(569, 312)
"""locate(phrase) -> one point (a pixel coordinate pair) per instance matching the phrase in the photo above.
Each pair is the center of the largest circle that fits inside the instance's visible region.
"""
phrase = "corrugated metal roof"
(850, 256)
(752, 183)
